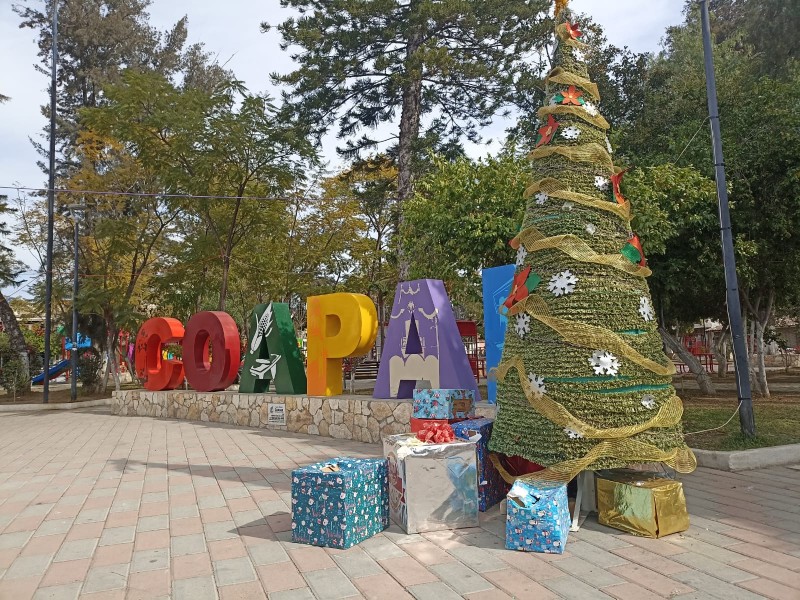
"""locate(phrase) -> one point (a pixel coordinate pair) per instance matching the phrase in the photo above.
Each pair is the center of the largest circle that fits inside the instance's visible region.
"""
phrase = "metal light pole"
(740, 360)
(75, 210)
(48, 275)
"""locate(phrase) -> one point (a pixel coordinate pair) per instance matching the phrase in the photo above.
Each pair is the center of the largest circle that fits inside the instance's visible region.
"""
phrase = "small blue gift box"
(491, 486)
(444, 404)
(537, 519)
(340, 503)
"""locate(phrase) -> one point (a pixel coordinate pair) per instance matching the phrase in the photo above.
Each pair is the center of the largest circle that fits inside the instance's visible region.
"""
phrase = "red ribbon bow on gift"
(436, 433)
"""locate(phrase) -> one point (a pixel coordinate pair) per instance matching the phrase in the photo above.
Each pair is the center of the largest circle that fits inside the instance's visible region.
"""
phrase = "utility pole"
(740, 360)
(51, 193)
(75, 210)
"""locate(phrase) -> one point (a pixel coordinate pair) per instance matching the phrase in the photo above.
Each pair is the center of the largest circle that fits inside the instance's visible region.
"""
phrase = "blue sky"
(231, 31)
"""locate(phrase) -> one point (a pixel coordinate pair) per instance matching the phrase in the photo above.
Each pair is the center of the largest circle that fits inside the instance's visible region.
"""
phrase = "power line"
(144, 194)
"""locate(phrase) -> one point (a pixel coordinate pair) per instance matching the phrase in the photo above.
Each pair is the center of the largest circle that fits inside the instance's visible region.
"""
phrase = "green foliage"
(14, 377)
(461, 220)
(461, 60)
(225, 143)
(760, 121)
(90, 366)
(675, 214)
(97, 39)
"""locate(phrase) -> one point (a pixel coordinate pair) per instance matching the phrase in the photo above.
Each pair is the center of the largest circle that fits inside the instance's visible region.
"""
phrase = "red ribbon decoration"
(436, 433)
(573, 30)
(519, 290)
(547, 132)
(634, 241)
(616, 180)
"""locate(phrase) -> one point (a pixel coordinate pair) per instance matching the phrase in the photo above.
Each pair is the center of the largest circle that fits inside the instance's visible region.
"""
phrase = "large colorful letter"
(339, 326)
(423, 346)
(156, 373)
(496, 287)
(272, 353)
(211, 351)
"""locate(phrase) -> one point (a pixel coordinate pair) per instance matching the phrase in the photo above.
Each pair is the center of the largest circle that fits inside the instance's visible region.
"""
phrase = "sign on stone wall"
(277, 414)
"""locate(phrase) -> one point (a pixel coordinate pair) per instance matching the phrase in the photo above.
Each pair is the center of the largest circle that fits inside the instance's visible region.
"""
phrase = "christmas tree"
(584, 383)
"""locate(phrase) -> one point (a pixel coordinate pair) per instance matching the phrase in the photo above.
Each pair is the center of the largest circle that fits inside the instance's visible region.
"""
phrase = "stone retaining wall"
(358, 418)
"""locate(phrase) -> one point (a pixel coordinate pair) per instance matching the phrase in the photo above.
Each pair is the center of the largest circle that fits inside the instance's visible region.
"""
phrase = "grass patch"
(777, 424)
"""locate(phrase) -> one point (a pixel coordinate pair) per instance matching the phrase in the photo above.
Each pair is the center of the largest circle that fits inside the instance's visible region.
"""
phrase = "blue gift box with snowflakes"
(444, 404)
(491, 486)
(341, 502)
(537, 517)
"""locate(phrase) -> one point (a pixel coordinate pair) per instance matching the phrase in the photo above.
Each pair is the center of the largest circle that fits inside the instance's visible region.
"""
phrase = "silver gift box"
(432, 486)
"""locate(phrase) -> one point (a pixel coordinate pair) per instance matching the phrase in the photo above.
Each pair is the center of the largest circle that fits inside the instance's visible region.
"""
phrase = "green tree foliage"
(97, 40)
(461, 219)
(222, 144)
(363, 64)
(760, 118)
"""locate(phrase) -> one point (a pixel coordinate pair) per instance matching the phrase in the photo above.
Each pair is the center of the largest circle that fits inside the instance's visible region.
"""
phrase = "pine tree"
(584, 382)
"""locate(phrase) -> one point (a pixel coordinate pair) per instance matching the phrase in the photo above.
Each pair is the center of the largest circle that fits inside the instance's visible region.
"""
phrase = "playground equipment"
(57, 369)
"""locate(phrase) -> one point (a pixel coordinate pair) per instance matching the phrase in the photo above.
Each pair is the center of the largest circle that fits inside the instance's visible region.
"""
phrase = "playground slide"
(56, 370)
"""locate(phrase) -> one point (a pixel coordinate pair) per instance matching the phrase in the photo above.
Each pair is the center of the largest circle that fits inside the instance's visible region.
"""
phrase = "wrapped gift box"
(418, 424)
(537, 517)
(341, 502)
(641, 503)
(491, 486)
(444, 404)
(431, 486)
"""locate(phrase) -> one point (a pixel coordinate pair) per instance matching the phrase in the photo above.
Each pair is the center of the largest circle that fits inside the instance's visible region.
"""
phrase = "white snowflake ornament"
(537, 384)
(604, 363)
(646, 309)
(567, 206)
(572, 434)
(562, 283)
(608, 147)
(541, 198)
(578, 54)
(571, 133)
(522, 325)
(649, 401)
(591, 229)
(590, 108)
(521, 254)
(601, 183)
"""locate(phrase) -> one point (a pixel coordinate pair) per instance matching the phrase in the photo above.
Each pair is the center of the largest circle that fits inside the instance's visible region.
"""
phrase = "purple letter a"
(423, 347)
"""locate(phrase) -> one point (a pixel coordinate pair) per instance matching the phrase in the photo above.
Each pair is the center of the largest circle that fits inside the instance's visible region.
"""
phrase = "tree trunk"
(113, 360)
(703, 378)
(228, 250)
(106, 373)
(223, 289)
(16, 340)
(761, 313)
(409, 132)
(720, 349)
(762, 367)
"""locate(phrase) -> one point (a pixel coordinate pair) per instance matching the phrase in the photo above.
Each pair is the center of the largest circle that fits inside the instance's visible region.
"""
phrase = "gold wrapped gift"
(641, 503)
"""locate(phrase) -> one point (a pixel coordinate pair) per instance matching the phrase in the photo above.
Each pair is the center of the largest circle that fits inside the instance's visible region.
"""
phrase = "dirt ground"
(59, 393)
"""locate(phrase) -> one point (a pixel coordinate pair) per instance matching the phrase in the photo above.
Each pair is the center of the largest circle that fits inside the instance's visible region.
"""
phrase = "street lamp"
(75, 210)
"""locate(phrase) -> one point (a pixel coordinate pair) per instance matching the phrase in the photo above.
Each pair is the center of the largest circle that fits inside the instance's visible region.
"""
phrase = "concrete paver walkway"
(98, 507)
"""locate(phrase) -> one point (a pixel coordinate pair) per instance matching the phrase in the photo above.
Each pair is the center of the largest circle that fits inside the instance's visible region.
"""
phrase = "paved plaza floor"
(96, 506)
